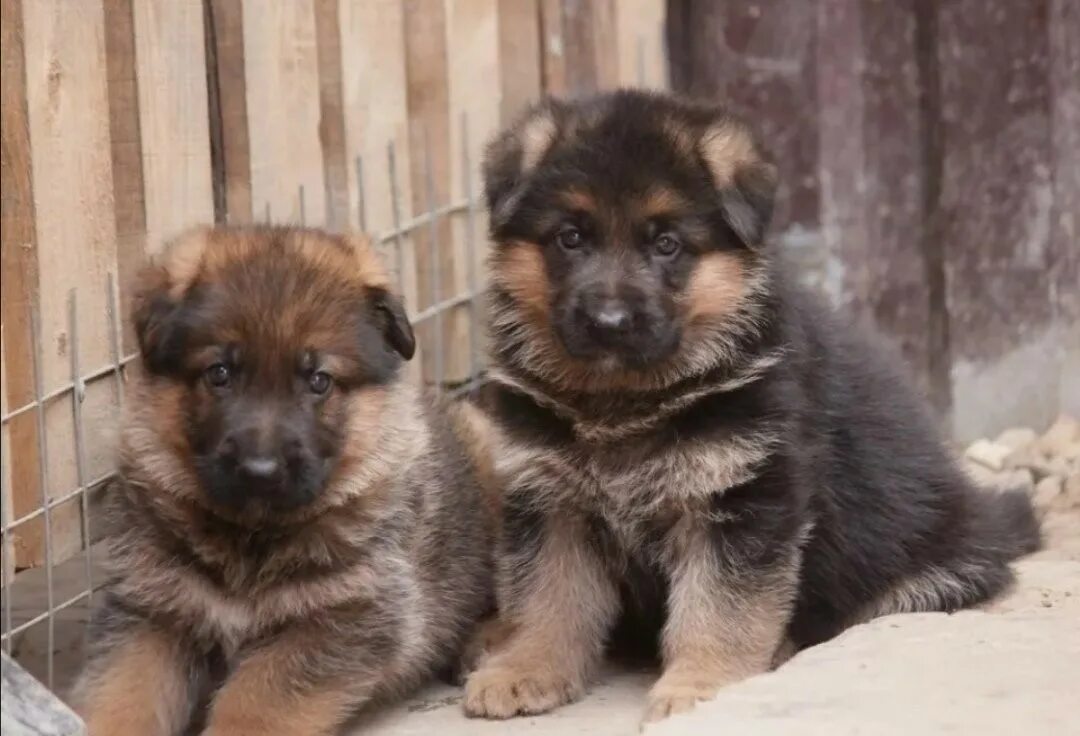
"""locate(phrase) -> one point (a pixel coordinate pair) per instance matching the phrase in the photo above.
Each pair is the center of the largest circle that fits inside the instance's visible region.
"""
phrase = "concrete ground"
(1012, 667)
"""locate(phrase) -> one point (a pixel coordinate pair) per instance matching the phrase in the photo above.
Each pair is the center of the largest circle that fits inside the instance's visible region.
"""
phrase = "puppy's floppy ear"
(393, 321)
(745, 181)
(514, 153)
(160, 321)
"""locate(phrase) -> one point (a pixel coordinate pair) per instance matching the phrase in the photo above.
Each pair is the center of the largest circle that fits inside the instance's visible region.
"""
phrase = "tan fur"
(717, 287)
(660, 201)
(579, 200)
(481, 440)
(143, 671)
(727, 147)
(184, 259)
(537, 137)
(259, 700)
(557, 633)
(490, 636)
(519, 268)
(720, 628)
(682, 138)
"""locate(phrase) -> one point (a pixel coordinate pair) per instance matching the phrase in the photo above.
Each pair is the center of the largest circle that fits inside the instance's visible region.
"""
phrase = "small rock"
(988, 454)
(1017, 480)
(1046, 494)
(1062, 438)
(1070, 496)
(1020, 479)
(1039, 464)
(1017, 438)
(1070, 452)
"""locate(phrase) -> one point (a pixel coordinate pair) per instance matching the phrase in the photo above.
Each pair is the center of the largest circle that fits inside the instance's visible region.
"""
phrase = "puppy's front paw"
(672, 695)
(503, 692)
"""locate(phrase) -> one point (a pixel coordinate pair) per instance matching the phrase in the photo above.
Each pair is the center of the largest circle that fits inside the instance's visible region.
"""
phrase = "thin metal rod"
(395, 210)
(442, 307)
(50, 614)
(7, 551)
(470, 248)
(361, 205)
(641, 61)
(303, 214)
(60, 500)
(470, 385)
(420, 220)
(77, 398)
(68, 387)
(43, 480)
(433, 260)
(115, 337)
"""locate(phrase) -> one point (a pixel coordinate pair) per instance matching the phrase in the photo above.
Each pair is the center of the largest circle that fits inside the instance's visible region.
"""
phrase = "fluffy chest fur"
(639, 481)
(229, 586)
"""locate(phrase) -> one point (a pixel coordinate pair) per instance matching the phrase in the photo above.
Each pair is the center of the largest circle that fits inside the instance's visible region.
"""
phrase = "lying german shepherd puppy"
(294, 533)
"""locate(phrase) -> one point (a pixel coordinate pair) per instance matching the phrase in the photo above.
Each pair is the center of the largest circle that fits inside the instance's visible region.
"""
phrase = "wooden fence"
(127, 120)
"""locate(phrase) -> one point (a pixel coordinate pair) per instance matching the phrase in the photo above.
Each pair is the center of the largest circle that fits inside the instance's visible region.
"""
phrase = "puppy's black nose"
(260, 468)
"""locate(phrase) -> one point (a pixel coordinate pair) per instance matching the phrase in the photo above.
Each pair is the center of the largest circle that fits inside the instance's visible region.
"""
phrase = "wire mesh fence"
(45, 608)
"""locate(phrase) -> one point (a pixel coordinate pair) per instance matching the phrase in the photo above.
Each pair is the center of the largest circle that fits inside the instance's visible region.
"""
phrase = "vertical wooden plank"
(552, 48)
(228, 91)
(589, 47)
(640, 38)
(519, 56)
(473, 47)
(605, 41)
(171, 71)
(282, 66)
(430, 156)
(331, 114)
(18, 278)
(376, 115)
(68, 112)
(125, 140)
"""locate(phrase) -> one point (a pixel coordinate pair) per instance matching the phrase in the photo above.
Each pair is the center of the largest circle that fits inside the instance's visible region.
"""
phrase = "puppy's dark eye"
(218, 375)
(320, 382)
(569, 238)
(666, 244)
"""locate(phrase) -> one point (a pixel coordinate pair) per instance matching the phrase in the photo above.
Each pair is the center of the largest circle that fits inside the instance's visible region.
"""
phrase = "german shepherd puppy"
(294, 533)
(693, 440)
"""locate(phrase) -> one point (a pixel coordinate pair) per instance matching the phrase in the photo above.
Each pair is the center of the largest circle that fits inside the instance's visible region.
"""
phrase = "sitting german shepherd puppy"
(293, 534)
(692, 439)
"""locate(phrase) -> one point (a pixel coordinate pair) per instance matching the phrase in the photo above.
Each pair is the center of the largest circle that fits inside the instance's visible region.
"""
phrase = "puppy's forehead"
(205, 256)
(277, 292)
(624, 137)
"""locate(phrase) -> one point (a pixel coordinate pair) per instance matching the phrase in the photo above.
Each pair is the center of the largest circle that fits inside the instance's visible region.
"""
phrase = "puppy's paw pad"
(497, 692)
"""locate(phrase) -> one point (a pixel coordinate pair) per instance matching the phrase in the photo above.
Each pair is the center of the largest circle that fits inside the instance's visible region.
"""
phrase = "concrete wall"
(930, 154)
